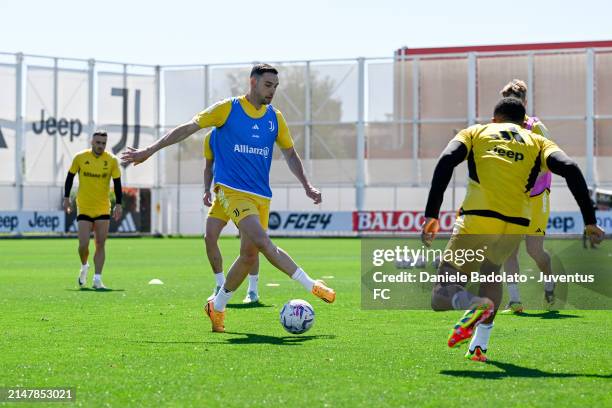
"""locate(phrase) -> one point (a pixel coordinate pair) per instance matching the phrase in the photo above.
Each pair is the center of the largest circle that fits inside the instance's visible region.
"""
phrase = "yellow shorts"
(484, 237)
(238, 205)
(540, 211)
(217, 211)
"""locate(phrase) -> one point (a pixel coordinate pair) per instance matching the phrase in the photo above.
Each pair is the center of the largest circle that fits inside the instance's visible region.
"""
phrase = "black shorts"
(83, 217)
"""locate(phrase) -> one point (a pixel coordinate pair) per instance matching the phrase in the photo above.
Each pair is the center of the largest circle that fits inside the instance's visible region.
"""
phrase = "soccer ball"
(297, 316)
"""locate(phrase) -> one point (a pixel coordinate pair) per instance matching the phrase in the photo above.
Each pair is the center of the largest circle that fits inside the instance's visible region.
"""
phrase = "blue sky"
(190, 31)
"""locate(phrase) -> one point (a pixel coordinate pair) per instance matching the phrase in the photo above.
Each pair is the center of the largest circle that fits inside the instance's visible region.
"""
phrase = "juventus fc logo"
(272, 127)
(123, 93)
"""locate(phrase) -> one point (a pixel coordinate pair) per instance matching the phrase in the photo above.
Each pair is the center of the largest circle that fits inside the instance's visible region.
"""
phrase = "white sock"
(513, 291)
(221, 299)
(84, 267)
(302, 277)
(220, 278)
(97, 277)
(253, 283)
(549, 286)
(481, 337)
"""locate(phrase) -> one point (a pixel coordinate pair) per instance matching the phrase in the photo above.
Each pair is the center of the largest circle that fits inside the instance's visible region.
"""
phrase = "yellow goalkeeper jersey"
(504, 161)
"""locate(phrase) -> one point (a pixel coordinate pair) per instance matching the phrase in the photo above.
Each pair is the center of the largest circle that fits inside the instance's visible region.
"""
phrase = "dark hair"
(260, 69)
(516, 88)
(99, 133)
(510, 109)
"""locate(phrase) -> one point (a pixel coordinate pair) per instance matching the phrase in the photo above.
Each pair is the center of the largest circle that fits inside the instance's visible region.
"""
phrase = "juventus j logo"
(123, 93)
(271, 126)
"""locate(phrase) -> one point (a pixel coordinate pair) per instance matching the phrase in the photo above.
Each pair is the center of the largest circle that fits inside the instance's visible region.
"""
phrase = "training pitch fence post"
(360, 179)
(590, 113)
(20, 129)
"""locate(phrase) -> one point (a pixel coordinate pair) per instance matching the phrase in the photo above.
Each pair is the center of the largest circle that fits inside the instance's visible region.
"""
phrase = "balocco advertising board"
(398, 221)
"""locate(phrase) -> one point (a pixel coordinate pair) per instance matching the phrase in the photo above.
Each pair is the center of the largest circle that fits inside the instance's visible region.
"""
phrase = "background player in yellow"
(539, 202)
(215, 222)
(95, 168)
(247, 129)
(503, 162)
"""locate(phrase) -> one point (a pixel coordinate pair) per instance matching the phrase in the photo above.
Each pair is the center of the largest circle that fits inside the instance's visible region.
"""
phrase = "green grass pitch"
(148, 345)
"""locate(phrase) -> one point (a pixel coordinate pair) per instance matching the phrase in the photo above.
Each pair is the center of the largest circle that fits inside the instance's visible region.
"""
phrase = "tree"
(330, 141)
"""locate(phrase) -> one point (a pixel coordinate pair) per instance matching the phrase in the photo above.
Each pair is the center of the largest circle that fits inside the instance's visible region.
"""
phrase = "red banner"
(398, 221)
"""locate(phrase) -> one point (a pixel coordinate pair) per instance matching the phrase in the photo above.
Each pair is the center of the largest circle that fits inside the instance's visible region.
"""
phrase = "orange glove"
(594, 233)
(431, 226)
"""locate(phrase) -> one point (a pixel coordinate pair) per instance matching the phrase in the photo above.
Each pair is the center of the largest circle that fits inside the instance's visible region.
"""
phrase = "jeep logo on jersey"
(517, 156)
(246, 149)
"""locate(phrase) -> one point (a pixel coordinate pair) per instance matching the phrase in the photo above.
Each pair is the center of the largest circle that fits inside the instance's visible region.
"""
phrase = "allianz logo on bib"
(246, 149)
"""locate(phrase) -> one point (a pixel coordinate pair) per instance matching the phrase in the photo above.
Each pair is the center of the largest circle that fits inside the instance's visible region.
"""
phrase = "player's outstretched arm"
(297, 168)
(208, 177)
(560, 164)
(450, 158)
(176, 135)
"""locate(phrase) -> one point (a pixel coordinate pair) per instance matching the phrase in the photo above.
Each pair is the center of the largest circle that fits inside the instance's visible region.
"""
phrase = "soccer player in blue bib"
(247, 128)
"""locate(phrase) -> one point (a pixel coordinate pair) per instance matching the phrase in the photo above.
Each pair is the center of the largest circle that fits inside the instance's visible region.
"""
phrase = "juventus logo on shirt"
(272, 127)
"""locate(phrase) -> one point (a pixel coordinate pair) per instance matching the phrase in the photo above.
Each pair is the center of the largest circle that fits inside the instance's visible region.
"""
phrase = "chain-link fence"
(368, 130)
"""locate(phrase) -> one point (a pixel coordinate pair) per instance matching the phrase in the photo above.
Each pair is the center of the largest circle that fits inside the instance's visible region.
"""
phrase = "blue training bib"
(242, 148)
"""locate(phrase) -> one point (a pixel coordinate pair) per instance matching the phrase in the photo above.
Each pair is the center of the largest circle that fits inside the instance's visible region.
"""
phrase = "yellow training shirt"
(217, 114)
(503, 162)
(94, 181)
(208, 153)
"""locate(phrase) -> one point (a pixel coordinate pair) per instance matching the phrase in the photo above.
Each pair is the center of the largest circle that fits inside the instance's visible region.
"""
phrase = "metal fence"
(368, 130)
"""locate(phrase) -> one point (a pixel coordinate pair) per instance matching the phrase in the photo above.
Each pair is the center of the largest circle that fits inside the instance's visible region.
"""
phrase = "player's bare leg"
(242, 265)
(253, 239)
(448, 296)
(251, 227)
(494, 291)
(215, 308)
(85, 228)
(252, 295)
(214, 226)
(100, 235)
(490, 290)
(535, 249)
(511, 266)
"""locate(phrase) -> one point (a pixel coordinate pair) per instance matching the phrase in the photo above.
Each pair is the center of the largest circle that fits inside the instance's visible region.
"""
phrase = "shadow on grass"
(250, 338)
(515, 371)
(550, 314)
(95, 290)
(247, 305)
(253, 338)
